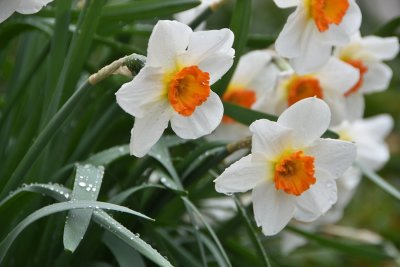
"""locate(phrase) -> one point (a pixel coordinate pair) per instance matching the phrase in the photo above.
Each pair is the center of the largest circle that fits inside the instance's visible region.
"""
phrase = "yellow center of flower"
(187, 89)
(301, 87)
(326, 12)
(362, 69)
(294, 173)
(239, 96)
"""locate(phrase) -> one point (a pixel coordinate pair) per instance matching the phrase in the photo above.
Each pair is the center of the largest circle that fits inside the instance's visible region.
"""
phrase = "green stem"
(379, 181)
(43, 139)
(253, 234)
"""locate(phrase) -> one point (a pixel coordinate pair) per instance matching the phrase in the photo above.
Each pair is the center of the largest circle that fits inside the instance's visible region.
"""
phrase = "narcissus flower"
(251, 84)
(291, 170)
(314, 28)
(369, 136)
(372, 151)
(366, 54)
(174, 85)
(8, 7)
(329, 83)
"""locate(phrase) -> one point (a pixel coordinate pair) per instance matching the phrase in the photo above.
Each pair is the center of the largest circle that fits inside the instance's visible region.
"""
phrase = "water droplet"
(82, 184)
(94, 189)
(88, 189)
(90, 185)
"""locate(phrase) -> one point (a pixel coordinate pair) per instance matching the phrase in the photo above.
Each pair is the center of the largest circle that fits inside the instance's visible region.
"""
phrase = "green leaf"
(209, 229)
(389, 29)
(87, 185)
(178, 250)
(355, 249)
(124, 254)
(43, 139)
(160, 153)
(146, 9)
(124, 195)
(253, 234)
(240, 25)
(259, 41)
(379, 181)
(244, 115)
(105, 157)
(59, 207)
(131, 239)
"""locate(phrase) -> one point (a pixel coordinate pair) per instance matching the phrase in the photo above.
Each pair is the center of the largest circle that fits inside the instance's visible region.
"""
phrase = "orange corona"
(326, 12)
(239, 96)
(302, 87)
(362, 69)
(188, 88)
(294, 173)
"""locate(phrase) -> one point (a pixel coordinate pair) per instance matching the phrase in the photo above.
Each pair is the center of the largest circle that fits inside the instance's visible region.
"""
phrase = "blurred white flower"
(369, 136)
(189, 15)
(366, 55)
(329, 83)
(8, 7)
(291, 170)
(174, 85)
(314, 28)
(252, 81)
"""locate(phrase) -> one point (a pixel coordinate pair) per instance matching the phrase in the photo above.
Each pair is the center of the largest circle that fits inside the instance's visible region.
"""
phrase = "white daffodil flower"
(291, 170)
(314, 28)
(174, 85)
(252, 81)
(369, 136)
(372, 151)
(8, 7)
(330, 83)
(366, 55)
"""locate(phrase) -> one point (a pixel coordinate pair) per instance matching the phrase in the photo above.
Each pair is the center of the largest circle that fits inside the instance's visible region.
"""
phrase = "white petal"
(288, 42)
(332, 156)
(217, 65)
(250, 66)
(286, 3)
(32, 6)
(352, 20)
(269, 140)
(273, 209)
(167, 41)
(142, 93)
(210, 50)
(203, 121)
(378, 127)
(355, 106)
(229, 132)
(241, 176)
(382, 48)
(372, 153)
(148, 130)
(317, 200)
(338, 76)
(309, 118)
(377, 78)
(7, 8)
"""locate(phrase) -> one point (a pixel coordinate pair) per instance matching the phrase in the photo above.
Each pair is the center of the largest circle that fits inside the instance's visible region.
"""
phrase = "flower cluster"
(327, 69)
(314, 80)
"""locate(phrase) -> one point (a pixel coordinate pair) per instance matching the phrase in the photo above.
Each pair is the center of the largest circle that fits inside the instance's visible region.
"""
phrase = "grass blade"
(379, 181)
(146, 9)
(55, 208)
(87, 185)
